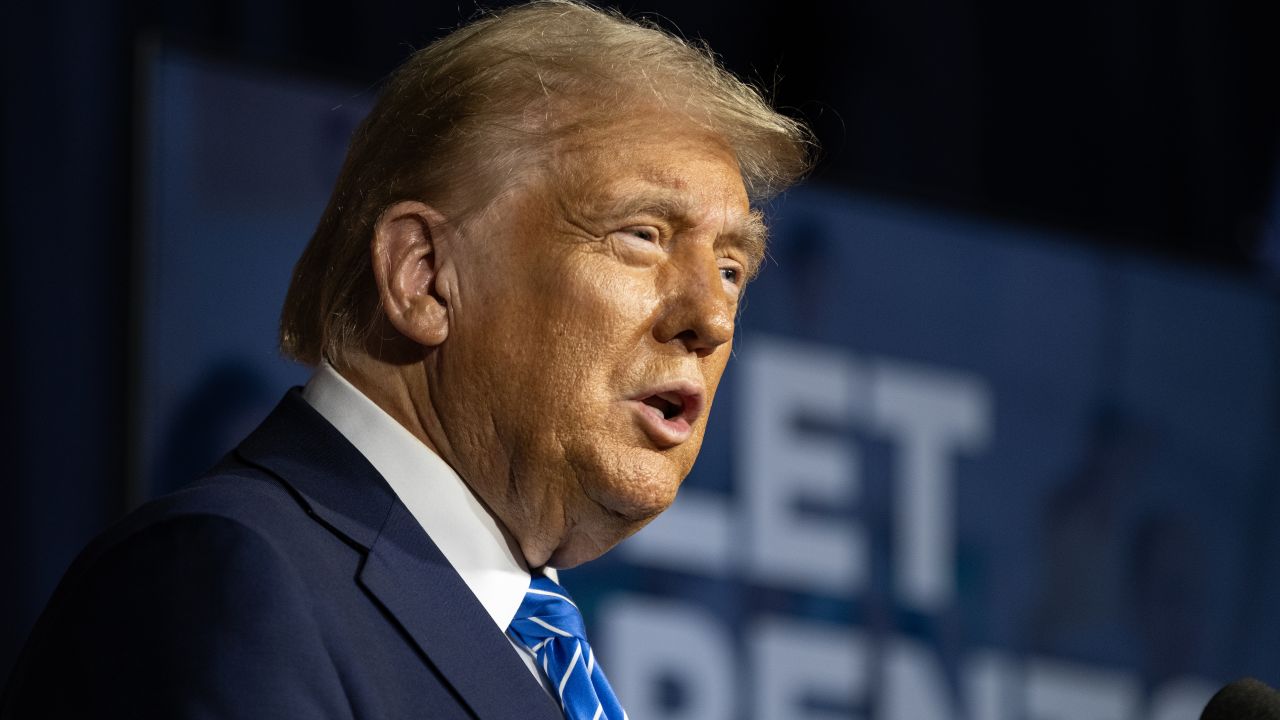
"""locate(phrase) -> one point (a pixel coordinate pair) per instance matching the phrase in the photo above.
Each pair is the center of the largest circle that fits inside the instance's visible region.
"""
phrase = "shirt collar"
(452, 516)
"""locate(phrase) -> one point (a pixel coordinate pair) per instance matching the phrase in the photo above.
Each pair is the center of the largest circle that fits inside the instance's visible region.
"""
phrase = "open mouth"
(668, 415)
(670, 404)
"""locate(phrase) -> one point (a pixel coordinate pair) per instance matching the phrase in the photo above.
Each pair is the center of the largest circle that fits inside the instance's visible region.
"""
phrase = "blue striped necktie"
(549, 624)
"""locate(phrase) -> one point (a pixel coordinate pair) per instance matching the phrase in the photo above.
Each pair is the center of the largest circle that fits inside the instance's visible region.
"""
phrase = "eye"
(643, 232)
(733, 277)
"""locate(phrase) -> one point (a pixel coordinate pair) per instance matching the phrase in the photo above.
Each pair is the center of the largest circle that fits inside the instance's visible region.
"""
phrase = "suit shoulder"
(233, 510)
(202, 537)
(199, 601)
(238, 493)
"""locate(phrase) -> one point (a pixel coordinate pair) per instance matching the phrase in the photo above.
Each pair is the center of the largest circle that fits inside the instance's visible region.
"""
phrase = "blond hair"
(460, 119)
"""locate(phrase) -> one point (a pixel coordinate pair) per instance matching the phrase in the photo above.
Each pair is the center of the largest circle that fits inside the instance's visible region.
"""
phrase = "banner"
(956, 468)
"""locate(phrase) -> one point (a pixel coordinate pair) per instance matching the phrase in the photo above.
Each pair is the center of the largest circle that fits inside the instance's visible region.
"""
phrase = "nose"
(698, 312)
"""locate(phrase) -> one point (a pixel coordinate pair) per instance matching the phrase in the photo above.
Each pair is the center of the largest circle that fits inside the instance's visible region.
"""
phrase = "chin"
(594, 538)
(634, 485)
(622, 494)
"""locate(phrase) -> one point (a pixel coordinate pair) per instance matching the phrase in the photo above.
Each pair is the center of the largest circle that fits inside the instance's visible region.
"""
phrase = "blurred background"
(1000, 440)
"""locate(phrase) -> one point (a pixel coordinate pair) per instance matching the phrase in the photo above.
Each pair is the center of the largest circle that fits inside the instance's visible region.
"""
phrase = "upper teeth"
(673, 398)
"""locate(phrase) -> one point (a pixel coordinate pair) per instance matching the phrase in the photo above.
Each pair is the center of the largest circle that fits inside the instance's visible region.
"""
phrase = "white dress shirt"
(448, 511)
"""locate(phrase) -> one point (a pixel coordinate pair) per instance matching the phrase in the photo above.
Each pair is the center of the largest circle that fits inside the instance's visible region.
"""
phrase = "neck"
(401, 392)
(404, 392)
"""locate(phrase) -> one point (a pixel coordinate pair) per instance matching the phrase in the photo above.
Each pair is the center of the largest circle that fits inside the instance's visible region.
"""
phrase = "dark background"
(1149, 125)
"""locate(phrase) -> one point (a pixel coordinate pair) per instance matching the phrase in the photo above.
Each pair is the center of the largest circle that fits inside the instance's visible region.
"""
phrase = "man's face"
(593, 317)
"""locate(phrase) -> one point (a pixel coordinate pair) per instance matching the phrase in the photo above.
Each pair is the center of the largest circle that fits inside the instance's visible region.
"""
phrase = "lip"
(669, 432)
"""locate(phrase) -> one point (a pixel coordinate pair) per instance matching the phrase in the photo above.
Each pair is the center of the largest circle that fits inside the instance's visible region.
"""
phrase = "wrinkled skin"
(538, 329)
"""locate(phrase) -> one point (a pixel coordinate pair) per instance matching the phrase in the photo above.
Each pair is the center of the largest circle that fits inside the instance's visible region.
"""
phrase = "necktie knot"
(549, 625)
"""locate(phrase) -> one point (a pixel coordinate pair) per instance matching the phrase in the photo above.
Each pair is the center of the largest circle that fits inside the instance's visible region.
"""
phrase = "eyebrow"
(748, 233)
(751, 234)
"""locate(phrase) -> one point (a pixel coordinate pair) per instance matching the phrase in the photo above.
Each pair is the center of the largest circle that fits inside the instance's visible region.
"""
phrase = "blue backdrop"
(957, 469)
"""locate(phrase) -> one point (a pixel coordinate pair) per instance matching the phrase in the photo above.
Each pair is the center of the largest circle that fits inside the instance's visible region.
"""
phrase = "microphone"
(1244, 699)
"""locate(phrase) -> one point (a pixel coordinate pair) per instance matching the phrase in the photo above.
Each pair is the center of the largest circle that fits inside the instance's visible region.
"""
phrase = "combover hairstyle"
(461, 119)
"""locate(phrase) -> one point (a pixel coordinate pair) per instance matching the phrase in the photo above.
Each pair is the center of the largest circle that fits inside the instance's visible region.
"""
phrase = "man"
(520, 301)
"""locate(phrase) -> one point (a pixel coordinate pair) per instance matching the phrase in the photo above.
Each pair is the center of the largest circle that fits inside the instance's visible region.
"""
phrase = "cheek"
(713, 368)
(600, 307)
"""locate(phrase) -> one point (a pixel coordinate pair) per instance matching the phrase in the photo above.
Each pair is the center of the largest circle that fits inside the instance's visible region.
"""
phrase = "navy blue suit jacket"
(289, 582)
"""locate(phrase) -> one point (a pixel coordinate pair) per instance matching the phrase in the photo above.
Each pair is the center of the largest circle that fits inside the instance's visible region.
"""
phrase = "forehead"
(650, 156)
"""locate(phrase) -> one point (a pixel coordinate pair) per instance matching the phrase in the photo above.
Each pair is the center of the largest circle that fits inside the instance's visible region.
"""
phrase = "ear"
(405, 266)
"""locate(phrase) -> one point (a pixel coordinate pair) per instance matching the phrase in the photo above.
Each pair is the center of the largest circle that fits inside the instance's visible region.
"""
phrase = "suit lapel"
(403, 570)
(450, 626)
